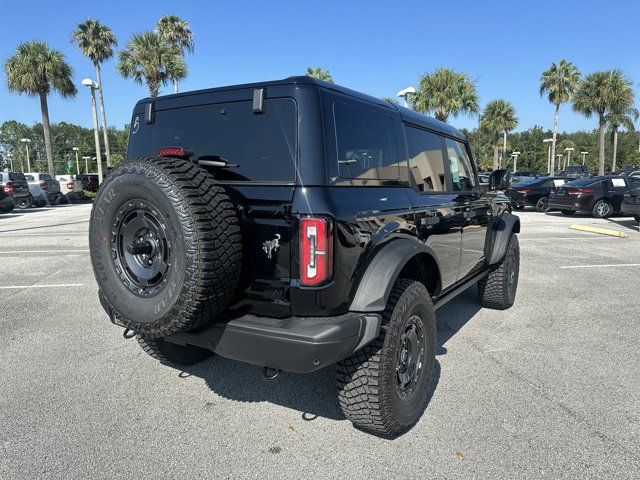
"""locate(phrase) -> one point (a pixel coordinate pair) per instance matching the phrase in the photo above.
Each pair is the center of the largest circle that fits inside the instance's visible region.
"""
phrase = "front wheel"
(542, 205)
(383, 387)
(498, 289)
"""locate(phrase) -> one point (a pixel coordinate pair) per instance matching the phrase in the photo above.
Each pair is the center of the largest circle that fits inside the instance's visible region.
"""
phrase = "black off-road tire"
(542, 205)
(602, 209)
(171, 353)
(568, 212)
(368, 382)
(202, 242)
(498, 289)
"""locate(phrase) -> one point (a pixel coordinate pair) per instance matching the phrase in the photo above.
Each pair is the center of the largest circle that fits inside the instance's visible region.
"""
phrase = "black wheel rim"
(141, 248)
(410, 357)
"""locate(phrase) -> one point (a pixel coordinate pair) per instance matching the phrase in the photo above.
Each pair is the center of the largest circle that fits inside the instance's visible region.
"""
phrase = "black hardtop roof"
(408, 115)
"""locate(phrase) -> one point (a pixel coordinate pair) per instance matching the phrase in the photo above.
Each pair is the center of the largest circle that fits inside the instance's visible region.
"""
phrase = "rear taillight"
(8, 188)
(524, 191)
(43, 185)
(316, 251)
(553, 190)
(70, 185)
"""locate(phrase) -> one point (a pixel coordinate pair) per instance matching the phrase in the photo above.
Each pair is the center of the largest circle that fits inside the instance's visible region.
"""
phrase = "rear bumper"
(573, 204)
(297, 344)
(630, 208)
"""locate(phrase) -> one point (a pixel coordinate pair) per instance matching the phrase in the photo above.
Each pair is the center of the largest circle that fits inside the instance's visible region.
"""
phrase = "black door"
(439, 223)
(473, 208)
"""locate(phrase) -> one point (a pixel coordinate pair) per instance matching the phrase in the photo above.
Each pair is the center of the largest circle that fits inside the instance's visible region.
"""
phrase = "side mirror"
(499, 180)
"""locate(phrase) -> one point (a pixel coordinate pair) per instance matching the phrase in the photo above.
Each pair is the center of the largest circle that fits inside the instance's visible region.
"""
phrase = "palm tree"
(602, 93)
(446, 92)
(149, 59)
(615, 120)
(320, 73)
(96, 42)
(498, 116)
(176, 32)
(35, 69)
(559, 83)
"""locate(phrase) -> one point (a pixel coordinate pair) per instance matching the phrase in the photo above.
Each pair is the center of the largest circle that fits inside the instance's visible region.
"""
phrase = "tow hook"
(128, 333)
(270, 373)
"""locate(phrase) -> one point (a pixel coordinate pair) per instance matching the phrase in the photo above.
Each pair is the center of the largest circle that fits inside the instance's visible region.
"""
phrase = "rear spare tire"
(165, 246)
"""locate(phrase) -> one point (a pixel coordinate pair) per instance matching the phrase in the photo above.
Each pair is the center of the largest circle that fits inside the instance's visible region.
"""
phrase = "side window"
(634, 182)
(461, 169)
(366, 144)
(426, 162)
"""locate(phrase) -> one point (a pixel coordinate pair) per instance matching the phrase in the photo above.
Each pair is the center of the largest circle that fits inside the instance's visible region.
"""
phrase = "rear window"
(16, 176)
(29, 178)
(583, 182)
(45, 176)
(525, 181)
(260, 147)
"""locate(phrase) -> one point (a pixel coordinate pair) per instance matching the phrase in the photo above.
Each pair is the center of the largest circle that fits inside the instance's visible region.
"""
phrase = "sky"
(376, 47)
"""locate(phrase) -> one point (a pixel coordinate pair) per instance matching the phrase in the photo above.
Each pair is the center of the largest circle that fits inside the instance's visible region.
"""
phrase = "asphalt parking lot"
(548, 389)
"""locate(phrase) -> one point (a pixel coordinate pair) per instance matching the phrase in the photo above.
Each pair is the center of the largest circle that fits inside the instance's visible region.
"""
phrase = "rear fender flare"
(375, 285)
(498, 234)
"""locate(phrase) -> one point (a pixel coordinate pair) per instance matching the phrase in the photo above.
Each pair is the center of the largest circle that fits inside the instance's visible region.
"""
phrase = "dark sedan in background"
(600, 196)
(631, 204)
(534, 192)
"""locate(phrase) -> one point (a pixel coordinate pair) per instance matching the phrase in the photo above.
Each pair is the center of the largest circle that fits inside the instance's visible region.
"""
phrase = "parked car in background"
(89, 181)
(15, 184)
(6, 202)
(45, 190)
(577, 171)
(631, 203)
(70, 188)
(600, 196)
(631, 170)
(534, 192)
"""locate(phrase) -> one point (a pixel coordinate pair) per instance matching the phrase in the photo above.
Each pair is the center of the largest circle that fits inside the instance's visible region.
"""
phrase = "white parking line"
(18, 287)
(603, 266)
(43, 251)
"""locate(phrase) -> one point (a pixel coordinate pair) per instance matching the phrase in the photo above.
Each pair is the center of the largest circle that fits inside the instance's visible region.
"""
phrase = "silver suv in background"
(70, 188)
(45, 190)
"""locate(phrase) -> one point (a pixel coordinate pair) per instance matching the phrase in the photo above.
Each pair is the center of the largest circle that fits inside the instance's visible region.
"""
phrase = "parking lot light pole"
(93, 86)
(515, 161)
(75, 149)
(568, 150)
(584, 154)
(405, 94)
(547, 140)
(86, 164)
(559, 155)
(26, 142)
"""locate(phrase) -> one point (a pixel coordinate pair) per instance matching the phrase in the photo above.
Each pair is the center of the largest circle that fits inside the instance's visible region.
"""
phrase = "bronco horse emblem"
(271, 246)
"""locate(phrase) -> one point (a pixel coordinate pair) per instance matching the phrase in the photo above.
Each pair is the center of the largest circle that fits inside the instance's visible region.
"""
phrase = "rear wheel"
(165, 246)
(568, 212)
(542, 205)
(383, 387)
(498, 289)
(602, 209)
(24, 202)
(172, 353)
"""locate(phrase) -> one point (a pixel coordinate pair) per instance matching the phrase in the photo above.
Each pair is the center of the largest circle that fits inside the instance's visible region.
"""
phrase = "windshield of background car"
(259, 147)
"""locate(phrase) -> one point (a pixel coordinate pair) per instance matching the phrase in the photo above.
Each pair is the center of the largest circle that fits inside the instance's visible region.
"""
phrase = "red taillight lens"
(524, 191)
(70, 185)
(586, 190)
(174, 152)
(8, 188)
(43, 185)
(316, 251)
(553, 190)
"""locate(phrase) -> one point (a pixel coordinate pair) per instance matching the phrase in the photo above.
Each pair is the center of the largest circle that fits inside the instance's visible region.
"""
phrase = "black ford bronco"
(296, 224)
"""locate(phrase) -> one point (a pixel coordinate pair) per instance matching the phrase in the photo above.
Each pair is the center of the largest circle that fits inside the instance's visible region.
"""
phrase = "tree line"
(156, 58)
